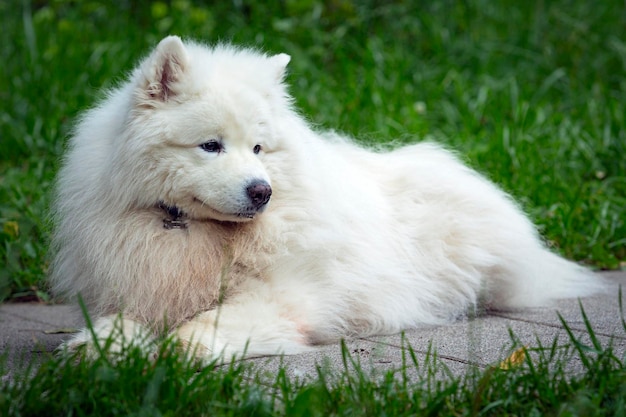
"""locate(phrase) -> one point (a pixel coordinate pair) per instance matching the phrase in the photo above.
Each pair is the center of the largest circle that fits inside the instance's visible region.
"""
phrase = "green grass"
(533, 94)
(541, 383)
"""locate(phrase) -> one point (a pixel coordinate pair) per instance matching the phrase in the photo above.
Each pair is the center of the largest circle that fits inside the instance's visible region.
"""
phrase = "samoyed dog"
(195, 202)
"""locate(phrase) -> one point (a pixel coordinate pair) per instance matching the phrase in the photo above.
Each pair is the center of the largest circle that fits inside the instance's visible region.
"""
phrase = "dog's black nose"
(259, 193)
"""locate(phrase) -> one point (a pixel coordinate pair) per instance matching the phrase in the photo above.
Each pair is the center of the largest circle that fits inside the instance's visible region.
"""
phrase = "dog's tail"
(542, 279)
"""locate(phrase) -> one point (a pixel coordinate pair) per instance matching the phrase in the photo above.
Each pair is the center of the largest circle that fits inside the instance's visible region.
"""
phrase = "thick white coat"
(354, 242)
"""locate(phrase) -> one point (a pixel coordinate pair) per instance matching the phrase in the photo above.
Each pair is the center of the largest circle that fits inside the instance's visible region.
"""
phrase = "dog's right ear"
(279, 63)
(161, 72)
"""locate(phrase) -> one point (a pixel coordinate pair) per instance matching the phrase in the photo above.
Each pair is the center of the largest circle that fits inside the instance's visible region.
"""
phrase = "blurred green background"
(533, 94)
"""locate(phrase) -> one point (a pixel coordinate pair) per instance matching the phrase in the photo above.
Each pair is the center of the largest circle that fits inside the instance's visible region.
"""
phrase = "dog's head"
(201, 123)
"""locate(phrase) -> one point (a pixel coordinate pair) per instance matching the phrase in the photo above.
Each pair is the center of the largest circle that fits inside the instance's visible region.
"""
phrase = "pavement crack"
(555, 326)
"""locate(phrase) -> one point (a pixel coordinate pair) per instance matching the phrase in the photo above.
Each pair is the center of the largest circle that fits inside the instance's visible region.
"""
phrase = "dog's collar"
(174, 217)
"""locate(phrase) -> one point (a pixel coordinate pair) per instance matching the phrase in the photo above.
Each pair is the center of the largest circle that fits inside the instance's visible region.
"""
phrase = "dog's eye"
(257, 149)
(212, 146)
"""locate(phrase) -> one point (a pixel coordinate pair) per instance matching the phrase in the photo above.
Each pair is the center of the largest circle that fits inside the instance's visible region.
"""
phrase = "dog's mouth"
(219, 215)
(175, 217)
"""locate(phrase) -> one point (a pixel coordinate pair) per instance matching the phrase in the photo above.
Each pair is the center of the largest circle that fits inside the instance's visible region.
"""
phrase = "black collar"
(175, 217)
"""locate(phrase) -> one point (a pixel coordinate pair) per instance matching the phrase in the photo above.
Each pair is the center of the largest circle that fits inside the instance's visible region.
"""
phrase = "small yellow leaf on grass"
(516, 359)
(11, 228)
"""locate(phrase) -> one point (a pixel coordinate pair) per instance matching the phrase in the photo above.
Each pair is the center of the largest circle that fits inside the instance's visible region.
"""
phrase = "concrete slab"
(31, 331)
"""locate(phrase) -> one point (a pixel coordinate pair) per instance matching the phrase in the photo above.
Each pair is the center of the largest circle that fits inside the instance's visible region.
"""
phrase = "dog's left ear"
(162, 71)
(279, 64)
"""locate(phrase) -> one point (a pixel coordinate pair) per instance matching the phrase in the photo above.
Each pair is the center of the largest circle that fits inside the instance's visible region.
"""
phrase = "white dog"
(196, 202)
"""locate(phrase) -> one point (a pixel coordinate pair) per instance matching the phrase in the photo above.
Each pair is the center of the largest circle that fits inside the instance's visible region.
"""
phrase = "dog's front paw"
(198, 341)
(111, 336)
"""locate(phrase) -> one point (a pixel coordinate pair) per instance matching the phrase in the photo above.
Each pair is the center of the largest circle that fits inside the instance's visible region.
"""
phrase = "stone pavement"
(31, 331)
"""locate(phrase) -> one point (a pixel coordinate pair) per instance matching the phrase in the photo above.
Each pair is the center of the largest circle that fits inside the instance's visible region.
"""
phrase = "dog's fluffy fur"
(352, 242)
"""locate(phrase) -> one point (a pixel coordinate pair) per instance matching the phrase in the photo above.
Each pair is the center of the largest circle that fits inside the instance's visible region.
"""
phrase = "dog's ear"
(161, 71)
(279, 63)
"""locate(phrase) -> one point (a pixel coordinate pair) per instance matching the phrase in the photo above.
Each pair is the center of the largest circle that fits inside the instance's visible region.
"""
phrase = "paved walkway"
(31, 331)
